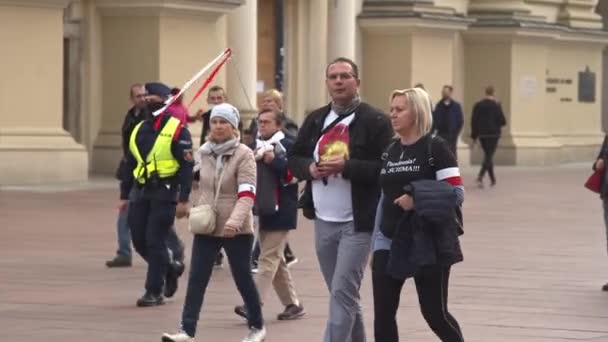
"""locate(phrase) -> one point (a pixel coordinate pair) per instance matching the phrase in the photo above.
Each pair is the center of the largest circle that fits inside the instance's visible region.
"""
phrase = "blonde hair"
(275, 95)
(420, 105)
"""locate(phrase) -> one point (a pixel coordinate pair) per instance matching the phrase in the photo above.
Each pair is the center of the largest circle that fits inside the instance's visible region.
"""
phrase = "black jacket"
(427, 235)
(487, 119)
(370, 132)
(448, 120)
(132, 118)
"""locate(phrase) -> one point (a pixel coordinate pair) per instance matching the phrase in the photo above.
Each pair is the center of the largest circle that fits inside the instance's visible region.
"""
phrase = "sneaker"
(149, 299)
(254, 268)
(177, 337)
(291, 312)
(176, 269)
(291, 260)
(479, 183)
(119, 261)
(255, 335)
(605, 287)
(241, 310)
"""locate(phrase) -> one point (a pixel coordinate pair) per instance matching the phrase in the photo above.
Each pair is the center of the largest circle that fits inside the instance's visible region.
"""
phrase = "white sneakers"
(177, 337)
(255, 335)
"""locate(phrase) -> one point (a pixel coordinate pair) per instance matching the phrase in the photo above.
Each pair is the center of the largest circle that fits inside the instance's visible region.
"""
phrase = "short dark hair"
(449, 87)
(490, 90)
(279, 118)
(218, 88)
(348, 61)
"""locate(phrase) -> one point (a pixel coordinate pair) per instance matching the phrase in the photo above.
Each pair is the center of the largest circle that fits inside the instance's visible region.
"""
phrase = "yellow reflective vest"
(160, 159)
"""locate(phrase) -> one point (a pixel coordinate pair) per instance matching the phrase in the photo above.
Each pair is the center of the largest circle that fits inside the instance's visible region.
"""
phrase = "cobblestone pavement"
(535, 259)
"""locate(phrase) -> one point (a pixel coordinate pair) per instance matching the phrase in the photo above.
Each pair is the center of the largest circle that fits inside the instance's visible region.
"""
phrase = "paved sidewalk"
(535, 259)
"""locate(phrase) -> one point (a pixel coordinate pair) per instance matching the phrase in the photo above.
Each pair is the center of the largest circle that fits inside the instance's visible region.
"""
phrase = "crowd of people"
(385, 186)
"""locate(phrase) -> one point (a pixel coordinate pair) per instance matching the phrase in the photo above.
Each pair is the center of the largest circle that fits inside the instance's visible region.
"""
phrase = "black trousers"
(151, 221)
(488, 144)
(432, 287)
(204, 252)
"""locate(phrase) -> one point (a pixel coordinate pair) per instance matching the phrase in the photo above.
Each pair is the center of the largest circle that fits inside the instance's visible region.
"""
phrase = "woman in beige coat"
(234, 229)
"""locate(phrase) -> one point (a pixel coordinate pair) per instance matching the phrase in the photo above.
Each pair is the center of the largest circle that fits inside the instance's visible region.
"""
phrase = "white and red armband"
(450, 175)
(246, 190)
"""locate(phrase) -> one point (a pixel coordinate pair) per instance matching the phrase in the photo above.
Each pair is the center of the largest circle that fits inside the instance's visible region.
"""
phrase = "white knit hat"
(227, 112)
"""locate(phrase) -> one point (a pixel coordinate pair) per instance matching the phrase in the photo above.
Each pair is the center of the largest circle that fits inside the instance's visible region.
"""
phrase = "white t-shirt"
(332, 196)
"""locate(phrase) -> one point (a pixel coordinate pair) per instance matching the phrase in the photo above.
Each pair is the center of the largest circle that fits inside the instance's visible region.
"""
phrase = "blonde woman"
(405, 243)
(223, 153)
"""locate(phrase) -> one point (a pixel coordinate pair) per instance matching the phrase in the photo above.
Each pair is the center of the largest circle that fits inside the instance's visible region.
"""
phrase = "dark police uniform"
(160, 180)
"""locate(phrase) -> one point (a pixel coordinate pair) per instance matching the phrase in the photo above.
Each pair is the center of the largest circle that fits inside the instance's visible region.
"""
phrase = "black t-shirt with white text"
(403, 164)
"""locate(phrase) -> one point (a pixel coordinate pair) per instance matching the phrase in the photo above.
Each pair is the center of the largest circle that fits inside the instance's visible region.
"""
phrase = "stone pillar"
(306, 56)
(342, 29)
(242, 68)
(34, 147)
(145, 41)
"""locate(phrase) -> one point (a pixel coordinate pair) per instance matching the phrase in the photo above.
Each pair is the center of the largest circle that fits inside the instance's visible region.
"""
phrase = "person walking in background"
(159, 172)
(276, 207)
(215, 96)
(448, 118)
(135, 115)
(487, 121)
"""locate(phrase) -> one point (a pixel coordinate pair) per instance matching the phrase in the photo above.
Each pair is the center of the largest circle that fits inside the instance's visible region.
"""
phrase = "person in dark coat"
(486, 123)
(338, 153)
(159, 171)
(136, 114)
(276, 207)
(448, 118)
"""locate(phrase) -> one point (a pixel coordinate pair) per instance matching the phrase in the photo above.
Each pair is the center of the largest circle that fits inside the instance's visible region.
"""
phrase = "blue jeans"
(124, 234)
(204, 252)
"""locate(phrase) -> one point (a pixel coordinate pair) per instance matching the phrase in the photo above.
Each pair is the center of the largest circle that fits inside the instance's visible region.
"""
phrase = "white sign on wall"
(528, 86)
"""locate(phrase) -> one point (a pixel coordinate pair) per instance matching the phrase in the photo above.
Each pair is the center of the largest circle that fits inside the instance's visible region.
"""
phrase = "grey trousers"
(343, 255)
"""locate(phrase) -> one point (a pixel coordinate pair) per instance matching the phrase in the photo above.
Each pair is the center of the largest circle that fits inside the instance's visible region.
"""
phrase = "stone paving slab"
(535, 259)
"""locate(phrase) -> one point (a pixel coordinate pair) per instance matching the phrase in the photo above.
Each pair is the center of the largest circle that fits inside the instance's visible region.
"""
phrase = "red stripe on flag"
(211, 77)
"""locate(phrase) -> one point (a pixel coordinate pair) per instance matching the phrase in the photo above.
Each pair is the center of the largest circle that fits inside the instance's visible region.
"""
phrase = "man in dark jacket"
(448, 118)
(135, 115)
(338, 152)
(486, 123)
(277, 213)
(215, 96)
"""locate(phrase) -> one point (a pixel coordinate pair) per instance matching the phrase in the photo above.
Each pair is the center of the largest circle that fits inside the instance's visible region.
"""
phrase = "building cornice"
(157, 7)
(35, 3)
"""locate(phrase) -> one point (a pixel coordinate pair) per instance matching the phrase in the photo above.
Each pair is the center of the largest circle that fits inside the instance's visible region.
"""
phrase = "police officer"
(159, 166)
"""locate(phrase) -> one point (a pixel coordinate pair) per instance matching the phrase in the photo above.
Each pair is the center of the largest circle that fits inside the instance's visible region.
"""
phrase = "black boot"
(149, 299)
(119, 261)
(176, 269)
